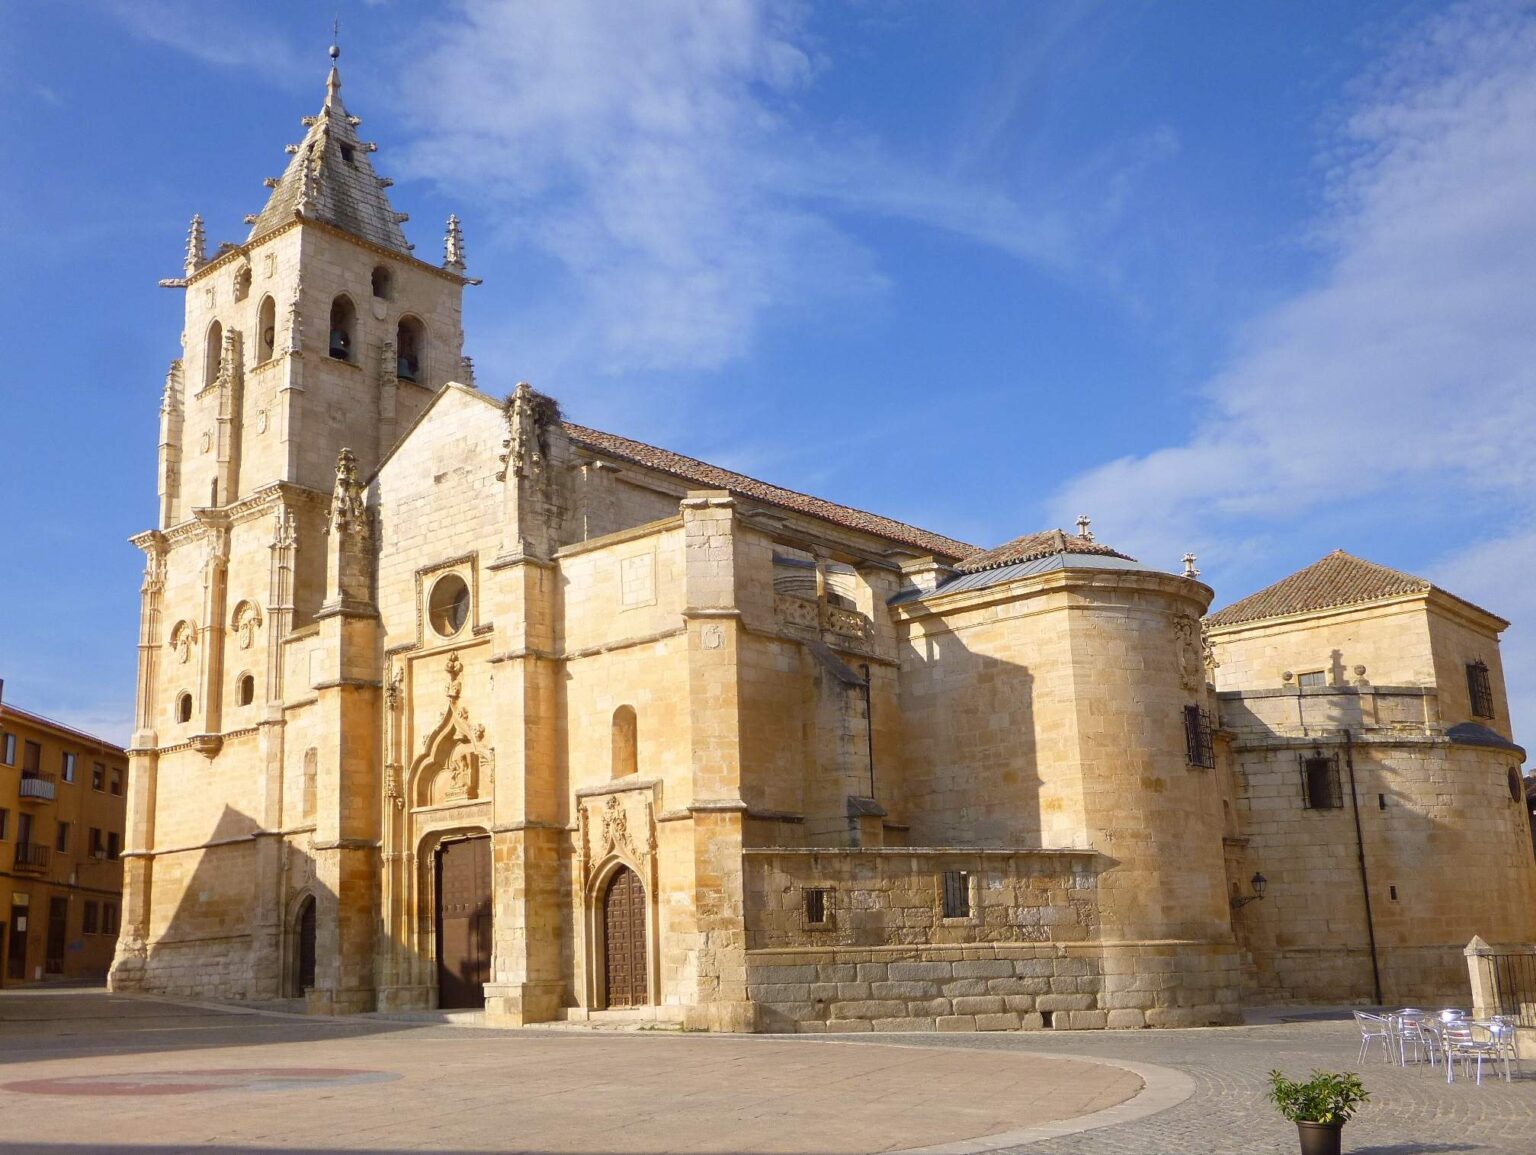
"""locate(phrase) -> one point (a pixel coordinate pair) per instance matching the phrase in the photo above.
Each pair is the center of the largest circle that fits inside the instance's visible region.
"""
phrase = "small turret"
(197, 246)
(453, 246)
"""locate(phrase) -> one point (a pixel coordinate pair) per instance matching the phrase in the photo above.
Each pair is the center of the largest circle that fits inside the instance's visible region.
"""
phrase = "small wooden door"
(58, 928)
(624, 958)
(463, 922)
(304, 956)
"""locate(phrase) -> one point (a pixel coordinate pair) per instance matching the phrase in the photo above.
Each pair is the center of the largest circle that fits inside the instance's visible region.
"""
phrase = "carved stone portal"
(455, 764)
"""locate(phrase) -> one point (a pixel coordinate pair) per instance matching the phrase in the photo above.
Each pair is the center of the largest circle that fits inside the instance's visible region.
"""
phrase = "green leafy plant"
(1327, 1097)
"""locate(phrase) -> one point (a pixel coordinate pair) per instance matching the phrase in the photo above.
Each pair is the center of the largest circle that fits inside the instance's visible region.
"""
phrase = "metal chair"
(1467, 1040)
(1374, 1027)
(1414, 1033)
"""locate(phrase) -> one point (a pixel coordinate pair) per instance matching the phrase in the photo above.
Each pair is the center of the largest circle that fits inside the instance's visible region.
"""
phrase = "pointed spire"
(197, 246)
(467, 372)
(329, 178)
(453, 246)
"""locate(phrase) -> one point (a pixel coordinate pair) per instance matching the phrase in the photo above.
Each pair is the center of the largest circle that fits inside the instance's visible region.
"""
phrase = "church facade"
(447, 701)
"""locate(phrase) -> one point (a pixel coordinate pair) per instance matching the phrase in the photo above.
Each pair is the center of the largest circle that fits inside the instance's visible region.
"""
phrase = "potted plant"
(1319, 1107)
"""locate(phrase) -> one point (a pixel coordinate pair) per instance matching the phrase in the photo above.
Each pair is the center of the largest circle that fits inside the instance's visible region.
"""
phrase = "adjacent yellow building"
(61, 834)
(445, 701)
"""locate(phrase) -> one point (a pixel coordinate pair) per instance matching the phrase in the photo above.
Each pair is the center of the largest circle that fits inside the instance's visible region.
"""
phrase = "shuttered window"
(1480, 689)
(1320, 789)
(957, 894)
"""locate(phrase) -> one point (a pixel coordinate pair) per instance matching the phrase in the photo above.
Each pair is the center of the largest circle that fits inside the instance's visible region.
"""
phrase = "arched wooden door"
(463, 922)
(304, 949)
(624, 957)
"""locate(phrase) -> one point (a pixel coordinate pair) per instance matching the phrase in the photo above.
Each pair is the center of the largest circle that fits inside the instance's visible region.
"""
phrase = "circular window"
(1516, 784)
(448, 607)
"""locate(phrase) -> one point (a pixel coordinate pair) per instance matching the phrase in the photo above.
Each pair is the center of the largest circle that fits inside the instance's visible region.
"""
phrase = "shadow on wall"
(1311, 931)
(252, 922)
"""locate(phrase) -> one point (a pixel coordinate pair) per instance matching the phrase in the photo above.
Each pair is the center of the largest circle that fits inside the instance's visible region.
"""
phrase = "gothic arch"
(301, 956)
(411, 349)
(244, 622)
(266, 330)
(213, 352)
(626, 743)
(455, 764)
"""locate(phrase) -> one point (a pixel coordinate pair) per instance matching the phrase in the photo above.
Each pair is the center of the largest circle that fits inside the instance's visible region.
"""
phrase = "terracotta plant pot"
(1320, 1138)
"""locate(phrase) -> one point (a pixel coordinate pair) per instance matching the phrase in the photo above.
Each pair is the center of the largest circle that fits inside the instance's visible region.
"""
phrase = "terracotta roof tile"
(1340, 579)
(1046, 543)
(712, 476)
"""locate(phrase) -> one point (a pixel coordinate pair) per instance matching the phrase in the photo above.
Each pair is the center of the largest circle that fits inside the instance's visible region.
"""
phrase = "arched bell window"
(266, 330)
(213, 351)
(184, 708)
(410, 347)
(343, 328)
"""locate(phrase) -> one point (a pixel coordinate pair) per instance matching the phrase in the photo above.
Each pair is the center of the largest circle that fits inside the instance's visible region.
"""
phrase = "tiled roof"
(1340, 579)
(713, 477)
(342, 188)
(1046, 543)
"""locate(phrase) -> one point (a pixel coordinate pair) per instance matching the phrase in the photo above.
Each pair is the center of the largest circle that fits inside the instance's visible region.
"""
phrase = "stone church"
(446, 701)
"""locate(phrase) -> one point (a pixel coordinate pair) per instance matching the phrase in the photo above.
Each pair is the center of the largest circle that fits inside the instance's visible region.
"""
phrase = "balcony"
(37, 787)
(31, 856)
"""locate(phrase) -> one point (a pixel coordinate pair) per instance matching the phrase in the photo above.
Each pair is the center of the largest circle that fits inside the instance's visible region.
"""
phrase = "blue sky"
(1249, 279)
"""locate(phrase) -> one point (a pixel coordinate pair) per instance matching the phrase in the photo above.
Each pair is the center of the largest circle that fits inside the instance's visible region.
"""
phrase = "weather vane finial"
(335, 38)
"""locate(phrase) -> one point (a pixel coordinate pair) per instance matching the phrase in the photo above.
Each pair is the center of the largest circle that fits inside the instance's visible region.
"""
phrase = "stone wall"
(1028, 956)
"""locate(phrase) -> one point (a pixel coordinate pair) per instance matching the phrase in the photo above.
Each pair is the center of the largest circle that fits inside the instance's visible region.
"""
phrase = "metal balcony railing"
(40, 786)
(31, 856)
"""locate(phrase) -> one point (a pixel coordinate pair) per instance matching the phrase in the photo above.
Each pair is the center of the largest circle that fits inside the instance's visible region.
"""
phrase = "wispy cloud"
(215, 32)
(660, 158)
(1401, 387)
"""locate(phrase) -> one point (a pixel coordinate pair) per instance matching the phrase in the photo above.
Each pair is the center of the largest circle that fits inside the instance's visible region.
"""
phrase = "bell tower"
(322, 332)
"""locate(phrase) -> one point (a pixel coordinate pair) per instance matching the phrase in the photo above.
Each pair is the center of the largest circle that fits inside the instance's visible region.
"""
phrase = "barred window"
(1197, 737)
(957, 894)
(1479, 689)
(1312, 679)
(815, 905)
(1320, 788)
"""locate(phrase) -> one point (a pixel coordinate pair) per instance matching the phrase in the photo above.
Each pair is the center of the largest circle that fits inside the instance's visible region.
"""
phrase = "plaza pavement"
(85, 1072)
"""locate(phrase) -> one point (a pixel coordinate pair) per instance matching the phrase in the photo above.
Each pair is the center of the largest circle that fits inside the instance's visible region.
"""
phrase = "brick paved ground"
(553, 1090)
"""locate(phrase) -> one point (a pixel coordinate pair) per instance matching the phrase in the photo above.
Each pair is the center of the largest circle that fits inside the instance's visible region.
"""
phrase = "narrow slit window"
(1198, 745)
(1480, 689)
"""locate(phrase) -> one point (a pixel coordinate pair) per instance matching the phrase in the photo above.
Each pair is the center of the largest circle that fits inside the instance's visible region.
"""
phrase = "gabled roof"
(1339, 579)
(1045, 543)
(330, 179)
(712, 476)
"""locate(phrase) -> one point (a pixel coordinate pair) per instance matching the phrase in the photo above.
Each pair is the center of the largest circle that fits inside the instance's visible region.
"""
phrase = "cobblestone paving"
(1411, 1109)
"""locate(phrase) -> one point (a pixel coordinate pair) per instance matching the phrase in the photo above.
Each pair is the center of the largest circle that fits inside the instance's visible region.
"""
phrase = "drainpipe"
(869, 730)
(1365, 882)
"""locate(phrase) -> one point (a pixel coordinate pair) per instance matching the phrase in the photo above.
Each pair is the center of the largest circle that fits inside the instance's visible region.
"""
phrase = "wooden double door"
(463, 922)
(625, 965)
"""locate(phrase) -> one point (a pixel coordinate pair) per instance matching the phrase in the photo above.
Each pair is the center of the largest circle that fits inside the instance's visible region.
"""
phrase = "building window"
(626, 742)
(213, 353)
(115, 781)
(114, 844)
(98, 776)
(109, 918)
(97, 850)
(816, 906)
(448, 605)
(8, 749)
(68, 773)
(245, 690)
(1480, 689)
(1197, 737)
(243, 283)
(410, 348)
(31, 758)
(1312, 680)
(1516, 785)
(343, 328)
(266, 330)
(61, 837)
(1320, 788)
(5, 822)
(957, 894)
(90, 921)
(383, 282)
(184, 708)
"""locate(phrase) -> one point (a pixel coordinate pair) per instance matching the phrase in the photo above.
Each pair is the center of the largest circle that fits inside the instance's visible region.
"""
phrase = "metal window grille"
(1480, 689)
(1197, 737)
(1320, 789)
(815, 905)
(957, 894)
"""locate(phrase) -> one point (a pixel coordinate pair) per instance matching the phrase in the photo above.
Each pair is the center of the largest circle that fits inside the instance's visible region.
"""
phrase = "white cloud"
(1401, 387)
(218, 34)
(659, 156)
